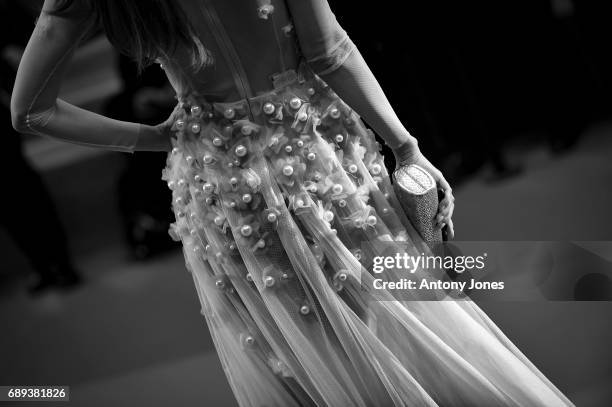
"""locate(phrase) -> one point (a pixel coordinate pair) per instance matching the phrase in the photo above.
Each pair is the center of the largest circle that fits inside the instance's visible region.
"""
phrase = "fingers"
(444, 215)
(446, 208)
(450, 229)
(448, 191)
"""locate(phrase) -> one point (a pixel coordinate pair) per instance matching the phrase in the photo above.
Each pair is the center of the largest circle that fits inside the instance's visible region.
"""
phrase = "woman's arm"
(333, 56)
(35, 107)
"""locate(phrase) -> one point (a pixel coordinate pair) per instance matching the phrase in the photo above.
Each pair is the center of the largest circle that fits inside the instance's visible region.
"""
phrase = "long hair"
(144, 29)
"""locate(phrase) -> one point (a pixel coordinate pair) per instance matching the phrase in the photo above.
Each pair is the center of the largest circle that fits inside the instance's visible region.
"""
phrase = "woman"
(281, 199)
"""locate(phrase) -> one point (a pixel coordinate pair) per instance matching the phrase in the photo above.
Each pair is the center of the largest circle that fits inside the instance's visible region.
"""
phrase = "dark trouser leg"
(30, 218)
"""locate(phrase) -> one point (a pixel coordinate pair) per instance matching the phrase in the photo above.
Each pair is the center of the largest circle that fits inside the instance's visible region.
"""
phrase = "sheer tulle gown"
(281, 197)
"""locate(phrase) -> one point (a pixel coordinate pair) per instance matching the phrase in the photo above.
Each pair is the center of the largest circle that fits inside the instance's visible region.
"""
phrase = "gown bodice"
(251, 42)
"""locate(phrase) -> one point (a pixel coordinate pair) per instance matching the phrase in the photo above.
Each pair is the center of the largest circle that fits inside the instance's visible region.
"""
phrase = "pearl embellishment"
(208, 187)
(269, 281)
(371, 220)
(295, 103)
(268, 108)
(240, 150)
(246, 130)
(288, 170)
(246, 230)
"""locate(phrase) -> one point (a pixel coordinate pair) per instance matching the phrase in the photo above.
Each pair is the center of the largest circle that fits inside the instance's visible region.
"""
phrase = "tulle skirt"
(281, 202)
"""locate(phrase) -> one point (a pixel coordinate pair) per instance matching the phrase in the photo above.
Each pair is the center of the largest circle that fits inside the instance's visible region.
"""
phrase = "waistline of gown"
(252, 105)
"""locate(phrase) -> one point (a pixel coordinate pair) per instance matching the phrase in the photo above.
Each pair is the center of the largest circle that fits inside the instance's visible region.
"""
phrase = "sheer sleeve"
(332, 55)
(35, 107)
(324, 43)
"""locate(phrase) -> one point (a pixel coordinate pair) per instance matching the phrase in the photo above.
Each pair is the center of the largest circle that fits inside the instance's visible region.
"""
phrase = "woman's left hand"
(446, 206)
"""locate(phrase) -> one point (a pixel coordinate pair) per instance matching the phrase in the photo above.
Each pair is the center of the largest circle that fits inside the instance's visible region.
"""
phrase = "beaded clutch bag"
(417, 192)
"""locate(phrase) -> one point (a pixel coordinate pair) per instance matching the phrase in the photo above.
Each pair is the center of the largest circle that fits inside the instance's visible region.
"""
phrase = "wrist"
(406, 152)
(153, 138)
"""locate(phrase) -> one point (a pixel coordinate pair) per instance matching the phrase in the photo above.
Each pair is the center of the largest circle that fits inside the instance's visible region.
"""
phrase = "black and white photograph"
(274, 203)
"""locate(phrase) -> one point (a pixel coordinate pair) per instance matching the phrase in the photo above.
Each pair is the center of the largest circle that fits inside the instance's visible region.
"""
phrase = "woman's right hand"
(158, 137)
(163, 130)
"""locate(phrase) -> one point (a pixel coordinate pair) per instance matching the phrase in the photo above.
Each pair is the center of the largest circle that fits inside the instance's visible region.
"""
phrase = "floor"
(133, 334)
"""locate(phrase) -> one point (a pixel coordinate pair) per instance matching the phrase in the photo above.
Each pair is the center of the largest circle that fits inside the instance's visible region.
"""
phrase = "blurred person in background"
(27, 212)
